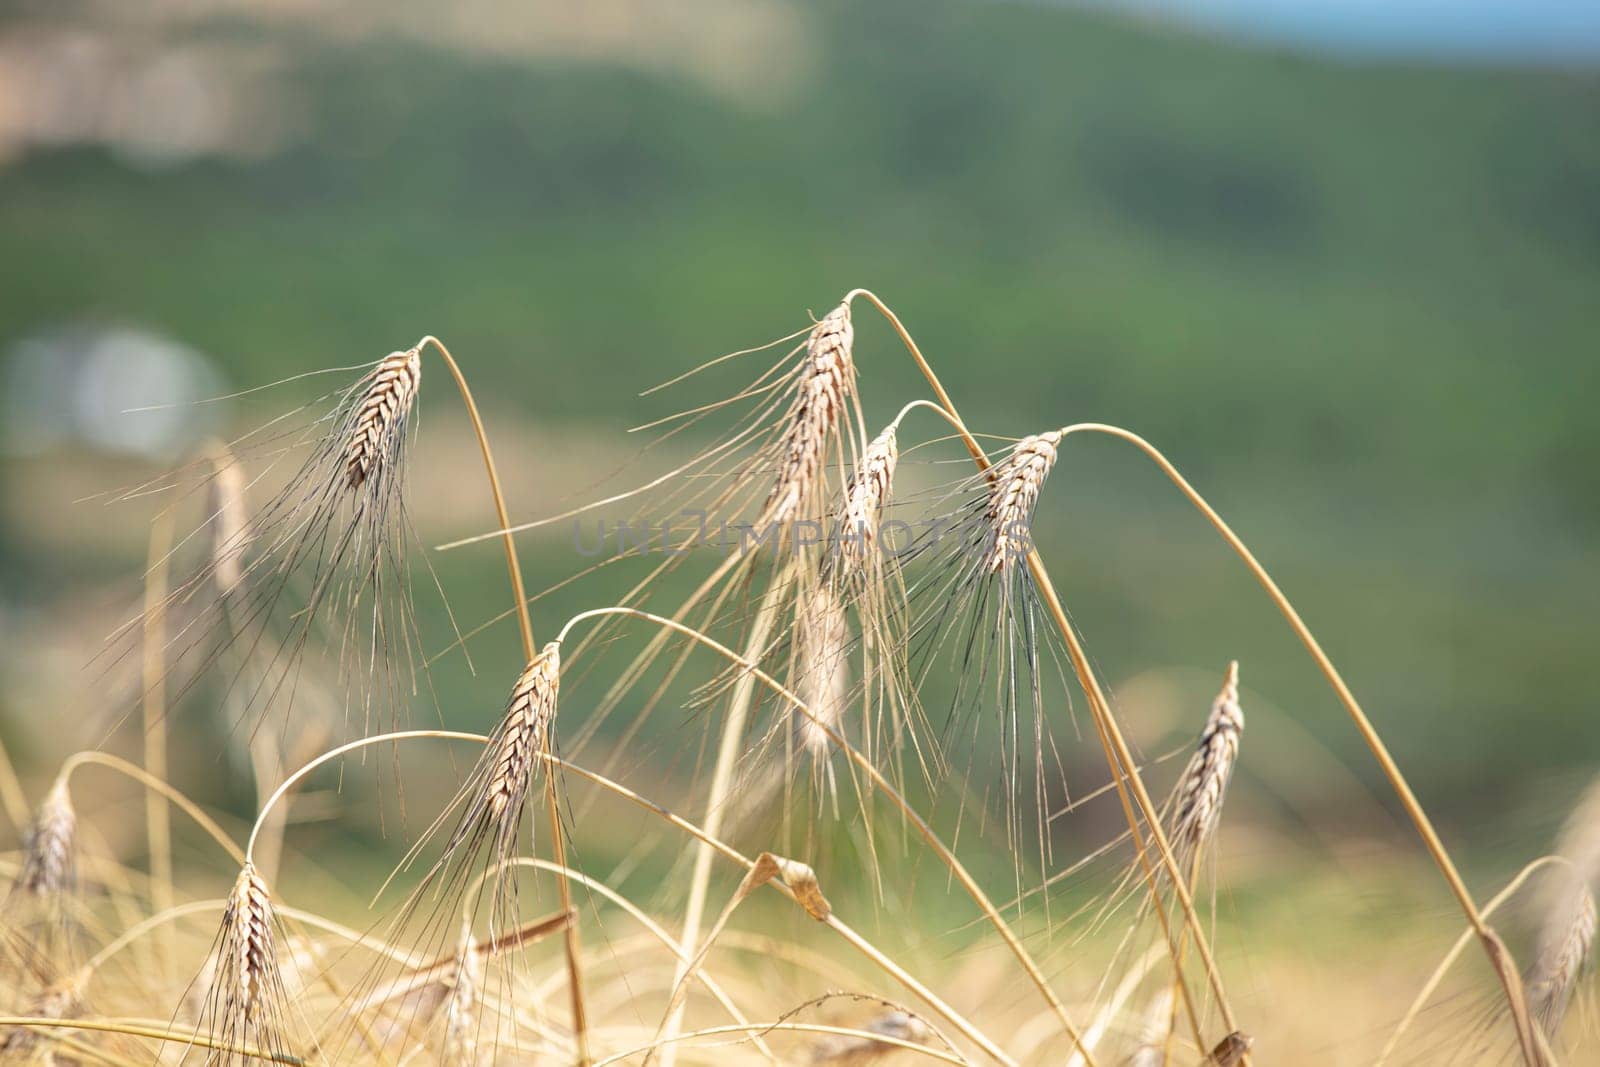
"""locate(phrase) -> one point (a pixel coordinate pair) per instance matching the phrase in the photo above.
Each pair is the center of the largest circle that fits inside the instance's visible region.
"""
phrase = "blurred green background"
(1353, 295)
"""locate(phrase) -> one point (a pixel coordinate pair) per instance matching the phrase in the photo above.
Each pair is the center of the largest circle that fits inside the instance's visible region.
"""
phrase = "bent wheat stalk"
(752, 671)
(571, 940)
(1131, 790)
(1499, 956)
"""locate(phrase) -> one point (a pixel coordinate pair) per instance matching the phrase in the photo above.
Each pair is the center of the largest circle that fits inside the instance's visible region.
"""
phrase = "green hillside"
(1358, 302)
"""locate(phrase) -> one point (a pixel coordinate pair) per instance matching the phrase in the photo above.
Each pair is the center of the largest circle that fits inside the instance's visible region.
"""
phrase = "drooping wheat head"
(1197, 800)
(825, 386)
(381, 415)
(856, 528)
(247, 1004)
(1566, 944)
(484, 819)
(48, 854)
(1015, 484)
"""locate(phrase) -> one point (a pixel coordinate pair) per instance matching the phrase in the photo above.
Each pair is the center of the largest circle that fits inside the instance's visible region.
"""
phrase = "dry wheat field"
(881, 720)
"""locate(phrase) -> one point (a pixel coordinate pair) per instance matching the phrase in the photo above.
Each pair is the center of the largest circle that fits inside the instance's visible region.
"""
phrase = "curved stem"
(882, 784)
(158, 820)
(150, 781)
(1118, 756)
(655, 931)
(1499, 956)
(1456, 949)
(755, 1030)
(513, 565)
(833, 922)
(333, 754)
(580, 1025)
(113, 1026)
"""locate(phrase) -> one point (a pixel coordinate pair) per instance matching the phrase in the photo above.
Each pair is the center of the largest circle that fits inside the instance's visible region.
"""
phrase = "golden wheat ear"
(1567, 935)
(38, 924)
(380, 417)
(318, 572)
(1197, 800)
(482, 825)
(49, 852)
(826, 385)
(247, 1005)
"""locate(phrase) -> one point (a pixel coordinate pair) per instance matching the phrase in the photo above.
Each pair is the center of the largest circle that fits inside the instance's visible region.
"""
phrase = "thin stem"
(513, 565)
(716, 803)
(158, 820)
(149, 781)
(833, 922)
(113, 1026)
(970, 884)
(1456, 949)
(12, 798)
(1118, 756)
(571, 938)
(333, 754)
(755, 1030)
(1499, 956)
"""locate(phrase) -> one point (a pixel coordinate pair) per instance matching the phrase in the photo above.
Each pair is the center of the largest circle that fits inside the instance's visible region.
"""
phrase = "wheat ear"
(1204, 785)
(827, 380)
(1564, 948)
(522, 737)
(1013, 494)
(865, 497)
(47, 856)
(382, 414)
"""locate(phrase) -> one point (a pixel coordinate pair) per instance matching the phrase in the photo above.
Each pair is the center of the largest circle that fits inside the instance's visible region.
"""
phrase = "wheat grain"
(381, 414)
(1204, 783)
(1014, 487)
(827, 380)
(47, 858)
(865, 498)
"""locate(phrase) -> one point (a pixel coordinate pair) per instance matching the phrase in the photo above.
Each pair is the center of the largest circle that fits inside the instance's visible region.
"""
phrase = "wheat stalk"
(1014, 488)
(381, 414)
(47, 856)
(827, 380)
